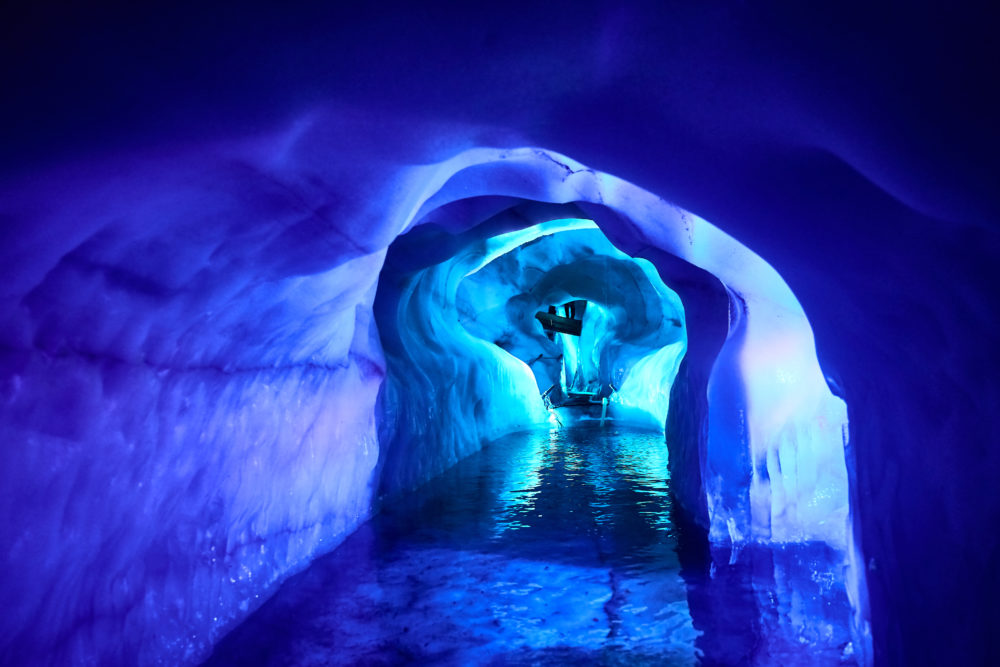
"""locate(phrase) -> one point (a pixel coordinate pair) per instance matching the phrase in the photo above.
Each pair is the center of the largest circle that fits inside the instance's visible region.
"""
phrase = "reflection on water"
(547, 548)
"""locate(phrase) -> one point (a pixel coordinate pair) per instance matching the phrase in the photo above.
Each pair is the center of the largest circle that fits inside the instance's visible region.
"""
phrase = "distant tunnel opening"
(600, 332)
(481, 333)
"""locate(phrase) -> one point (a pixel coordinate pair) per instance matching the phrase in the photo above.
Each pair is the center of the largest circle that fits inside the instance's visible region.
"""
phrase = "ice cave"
(618, 334)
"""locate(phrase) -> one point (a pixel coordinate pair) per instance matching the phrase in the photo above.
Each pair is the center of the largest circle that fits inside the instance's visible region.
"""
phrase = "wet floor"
(549, 548)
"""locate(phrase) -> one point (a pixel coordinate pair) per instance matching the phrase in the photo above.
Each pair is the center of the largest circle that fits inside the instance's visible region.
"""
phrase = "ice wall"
(188, 388)
(447, 391)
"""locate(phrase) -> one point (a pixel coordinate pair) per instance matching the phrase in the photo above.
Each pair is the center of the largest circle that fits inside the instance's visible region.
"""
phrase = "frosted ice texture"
(446, 391)
(189, 384)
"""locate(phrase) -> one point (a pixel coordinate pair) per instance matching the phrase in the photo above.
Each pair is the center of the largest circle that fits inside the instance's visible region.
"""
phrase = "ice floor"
(546, 548)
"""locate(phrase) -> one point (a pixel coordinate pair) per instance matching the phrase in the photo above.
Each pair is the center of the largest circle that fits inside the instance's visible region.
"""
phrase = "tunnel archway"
(764, 437)
(769, 342)
(442, 367)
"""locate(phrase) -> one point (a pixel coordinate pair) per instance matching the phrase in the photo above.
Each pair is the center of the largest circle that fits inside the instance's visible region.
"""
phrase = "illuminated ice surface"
(550, 547)
(632, 338)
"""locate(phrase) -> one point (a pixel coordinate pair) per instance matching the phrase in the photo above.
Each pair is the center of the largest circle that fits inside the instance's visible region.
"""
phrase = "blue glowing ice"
(632, 337)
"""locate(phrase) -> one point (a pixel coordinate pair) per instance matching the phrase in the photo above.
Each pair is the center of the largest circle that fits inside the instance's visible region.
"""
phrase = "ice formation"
(194, 222)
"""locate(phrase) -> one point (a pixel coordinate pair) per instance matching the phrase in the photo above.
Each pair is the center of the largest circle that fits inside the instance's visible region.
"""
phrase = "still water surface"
(545, 548)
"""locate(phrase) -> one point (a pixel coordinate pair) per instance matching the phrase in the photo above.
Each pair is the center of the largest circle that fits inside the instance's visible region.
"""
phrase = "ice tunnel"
(631, 337)
(264, 273)
(761, 454)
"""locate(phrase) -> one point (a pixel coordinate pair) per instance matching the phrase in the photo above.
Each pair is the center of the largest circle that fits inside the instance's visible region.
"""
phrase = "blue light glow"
(632, 337)
(257, 284)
